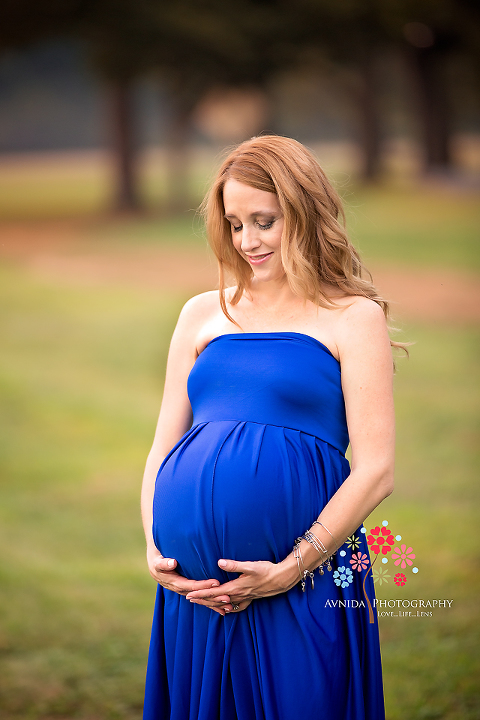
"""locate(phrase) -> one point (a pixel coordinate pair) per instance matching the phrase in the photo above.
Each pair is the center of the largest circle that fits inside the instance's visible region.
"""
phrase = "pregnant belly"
(242, 491)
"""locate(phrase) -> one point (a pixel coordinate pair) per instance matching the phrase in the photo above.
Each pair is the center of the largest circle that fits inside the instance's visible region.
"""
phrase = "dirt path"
(58, 252)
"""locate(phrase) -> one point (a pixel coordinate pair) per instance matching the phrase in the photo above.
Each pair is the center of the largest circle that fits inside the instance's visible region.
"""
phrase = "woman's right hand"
(163, 572)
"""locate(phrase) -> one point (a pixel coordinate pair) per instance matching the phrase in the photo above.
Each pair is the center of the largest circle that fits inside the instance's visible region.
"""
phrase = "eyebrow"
(254, 214)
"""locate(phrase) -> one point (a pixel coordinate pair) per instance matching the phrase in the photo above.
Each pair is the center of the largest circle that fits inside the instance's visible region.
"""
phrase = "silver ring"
(236, 607)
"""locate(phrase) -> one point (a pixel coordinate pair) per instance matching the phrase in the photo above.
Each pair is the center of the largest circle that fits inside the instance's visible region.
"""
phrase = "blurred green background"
(99, 249)
(81, 372)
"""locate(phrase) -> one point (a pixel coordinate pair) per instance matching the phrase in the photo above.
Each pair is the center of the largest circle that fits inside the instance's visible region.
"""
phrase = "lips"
(257, 259)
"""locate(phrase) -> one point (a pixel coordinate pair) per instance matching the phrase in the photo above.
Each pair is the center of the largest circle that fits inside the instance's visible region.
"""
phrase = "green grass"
(80, 184)
(415, 225)
(81, 373)
(35, 195)
(80, 381)
(431, 664)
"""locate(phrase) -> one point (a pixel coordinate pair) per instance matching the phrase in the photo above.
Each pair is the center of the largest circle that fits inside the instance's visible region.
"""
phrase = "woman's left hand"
(256, 580)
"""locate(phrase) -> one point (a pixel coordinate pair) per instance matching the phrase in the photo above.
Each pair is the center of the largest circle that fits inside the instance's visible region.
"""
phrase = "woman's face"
(257, 224)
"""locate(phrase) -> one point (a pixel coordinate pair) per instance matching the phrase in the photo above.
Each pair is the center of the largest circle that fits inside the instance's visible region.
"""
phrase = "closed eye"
(266, 226)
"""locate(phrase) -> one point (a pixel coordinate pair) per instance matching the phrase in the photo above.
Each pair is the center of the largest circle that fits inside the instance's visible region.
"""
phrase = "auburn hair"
(315, 249)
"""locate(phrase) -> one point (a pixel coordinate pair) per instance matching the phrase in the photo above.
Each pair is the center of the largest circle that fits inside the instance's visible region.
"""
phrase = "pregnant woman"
(247, 496)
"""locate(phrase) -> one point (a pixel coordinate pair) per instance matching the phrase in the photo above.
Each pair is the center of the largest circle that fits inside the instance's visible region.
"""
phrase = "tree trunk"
(178, 157)
(126, 198)
(369, 119)
(425, 66)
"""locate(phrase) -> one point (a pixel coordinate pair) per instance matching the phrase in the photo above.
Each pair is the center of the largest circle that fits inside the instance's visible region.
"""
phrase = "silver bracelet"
(297, 553)
(315, 541)
(317, 522)
(320, 548)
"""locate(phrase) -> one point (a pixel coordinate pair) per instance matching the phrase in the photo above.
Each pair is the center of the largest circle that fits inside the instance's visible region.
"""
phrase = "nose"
(250, 239)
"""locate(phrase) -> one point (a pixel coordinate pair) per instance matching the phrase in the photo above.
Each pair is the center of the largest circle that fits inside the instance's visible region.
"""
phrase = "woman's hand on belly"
(256, 580)
(163, 571)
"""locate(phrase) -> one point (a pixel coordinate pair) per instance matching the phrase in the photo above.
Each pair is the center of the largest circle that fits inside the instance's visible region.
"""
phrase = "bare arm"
(367, 381)
(174, 420)
(175, 413)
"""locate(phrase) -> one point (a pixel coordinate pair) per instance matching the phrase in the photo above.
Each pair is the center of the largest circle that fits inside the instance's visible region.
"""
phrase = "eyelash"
(262, 227)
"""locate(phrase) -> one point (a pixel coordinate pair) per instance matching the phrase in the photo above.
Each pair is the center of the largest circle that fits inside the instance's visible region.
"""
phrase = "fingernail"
(170, 563)
(215, 584)
(227, 611)
(222, 563)
(225, 601)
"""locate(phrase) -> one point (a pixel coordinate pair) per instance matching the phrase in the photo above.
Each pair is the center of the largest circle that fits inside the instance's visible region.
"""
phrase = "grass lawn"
(81, 373)
(415, 225)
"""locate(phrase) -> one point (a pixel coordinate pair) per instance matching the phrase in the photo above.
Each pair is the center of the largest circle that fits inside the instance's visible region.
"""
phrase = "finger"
(210, 593)
(165, 564)
(233, 587)
(202, 584)
(183, 586)
(220, 600)
(237, 607)
(210, 604)
(233, 565)
(180, 584)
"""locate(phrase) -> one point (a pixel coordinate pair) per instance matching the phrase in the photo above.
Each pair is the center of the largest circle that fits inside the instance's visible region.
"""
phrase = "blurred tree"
(194, 47)
(429, 33)
(356, 34)
(350, 35)
(23, 22)
(26, 21)
(191, 48)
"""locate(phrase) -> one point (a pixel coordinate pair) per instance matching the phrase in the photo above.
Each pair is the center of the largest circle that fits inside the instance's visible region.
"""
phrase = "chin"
(269, 275)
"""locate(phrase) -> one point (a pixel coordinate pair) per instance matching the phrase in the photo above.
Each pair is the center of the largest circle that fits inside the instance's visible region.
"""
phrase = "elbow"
(378, 480)
(386, 484)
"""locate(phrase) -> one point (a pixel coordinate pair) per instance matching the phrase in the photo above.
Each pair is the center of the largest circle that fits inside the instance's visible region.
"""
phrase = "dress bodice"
(286, 379)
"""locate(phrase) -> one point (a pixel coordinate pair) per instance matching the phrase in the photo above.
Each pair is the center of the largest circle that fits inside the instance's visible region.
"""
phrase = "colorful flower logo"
(359, 561)
(404, 556)
(380, 540)
(380, 575)
(353, 542)
(400, 579)
(343, 577)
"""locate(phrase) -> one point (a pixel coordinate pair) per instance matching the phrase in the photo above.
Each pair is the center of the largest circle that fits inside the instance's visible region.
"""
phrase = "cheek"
(279, 227)
(277, 241)
(236, 242)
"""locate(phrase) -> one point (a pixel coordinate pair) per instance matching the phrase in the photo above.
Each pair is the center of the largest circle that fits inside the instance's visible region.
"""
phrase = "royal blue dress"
(264, 454)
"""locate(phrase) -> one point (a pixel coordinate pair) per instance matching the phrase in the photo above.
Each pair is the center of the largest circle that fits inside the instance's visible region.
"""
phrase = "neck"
(271, 295)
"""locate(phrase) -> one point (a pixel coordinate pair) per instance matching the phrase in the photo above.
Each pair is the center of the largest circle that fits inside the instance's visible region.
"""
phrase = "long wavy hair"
(315, 250)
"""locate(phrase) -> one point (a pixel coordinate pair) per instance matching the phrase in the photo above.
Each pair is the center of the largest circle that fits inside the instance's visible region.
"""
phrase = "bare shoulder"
(360, 312)
(196, 313)
(196, 307)
(206, 302)
(361, 328)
